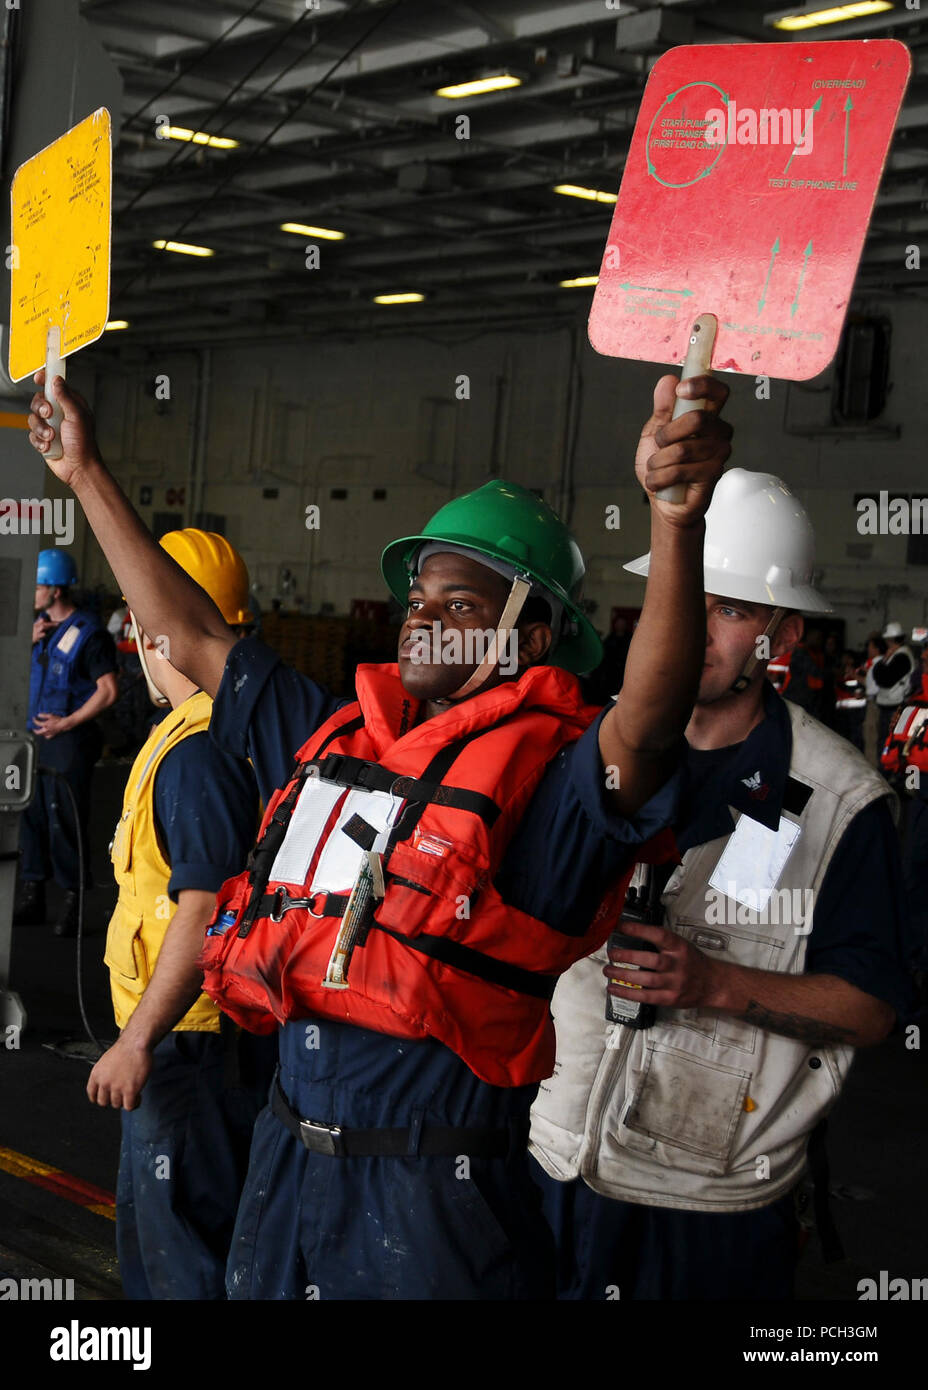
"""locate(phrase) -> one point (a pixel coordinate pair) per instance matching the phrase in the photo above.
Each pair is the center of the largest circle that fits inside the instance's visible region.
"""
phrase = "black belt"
(433, 1140)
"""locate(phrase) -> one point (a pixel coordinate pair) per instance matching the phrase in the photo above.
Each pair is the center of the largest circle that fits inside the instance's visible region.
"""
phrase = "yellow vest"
(144, 910)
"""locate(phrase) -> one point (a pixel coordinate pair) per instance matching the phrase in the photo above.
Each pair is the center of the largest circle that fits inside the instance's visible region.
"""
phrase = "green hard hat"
(507, 522)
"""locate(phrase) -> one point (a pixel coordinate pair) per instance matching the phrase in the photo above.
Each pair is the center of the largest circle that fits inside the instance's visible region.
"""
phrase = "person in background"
(850, 701)
(606, 681)
(876, 650)
(72, 680)
(189, 1084)
(833, 673)
(895, 677)
(805, 680)
(116, 623)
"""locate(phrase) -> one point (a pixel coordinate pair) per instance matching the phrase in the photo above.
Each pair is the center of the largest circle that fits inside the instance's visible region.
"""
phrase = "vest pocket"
(125, 952)
(121, 847)
(756, 947)
(685, 1111)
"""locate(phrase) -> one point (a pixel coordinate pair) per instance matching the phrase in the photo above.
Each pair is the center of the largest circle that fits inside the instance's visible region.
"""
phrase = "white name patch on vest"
(341, 857)
(753, 860)
(68, 639)
(317, 800)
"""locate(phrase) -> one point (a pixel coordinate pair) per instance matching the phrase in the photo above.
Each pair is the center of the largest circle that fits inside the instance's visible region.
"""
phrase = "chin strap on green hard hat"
(505, 633)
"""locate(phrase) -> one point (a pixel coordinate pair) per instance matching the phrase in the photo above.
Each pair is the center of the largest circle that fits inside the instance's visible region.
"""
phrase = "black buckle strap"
(433, 1140)
(275, 904)
(264, 854)
(459, 798)
(461, 957)
(453, 953)
(346, 771)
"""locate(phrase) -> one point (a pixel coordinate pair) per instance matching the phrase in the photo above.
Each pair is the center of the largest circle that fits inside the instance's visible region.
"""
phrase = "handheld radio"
(642, 904)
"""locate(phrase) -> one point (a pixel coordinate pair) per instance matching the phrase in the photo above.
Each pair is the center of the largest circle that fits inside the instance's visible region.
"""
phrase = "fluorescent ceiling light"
(831, 14)
(480, 85)
(197, 137)
(300, 229)
(594, 195)
(398, 298)
(114, 324)
(183, 248)
(579, 282)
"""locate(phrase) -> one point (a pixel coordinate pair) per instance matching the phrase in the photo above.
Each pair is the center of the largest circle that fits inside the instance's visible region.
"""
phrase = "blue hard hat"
(56, 567)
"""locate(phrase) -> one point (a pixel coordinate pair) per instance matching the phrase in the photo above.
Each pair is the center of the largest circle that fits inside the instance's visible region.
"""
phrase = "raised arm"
(166, 602)
(641, 734)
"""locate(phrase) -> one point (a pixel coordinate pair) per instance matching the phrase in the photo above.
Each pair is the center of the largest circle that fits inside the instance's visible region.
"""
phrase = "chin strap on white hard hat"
(750, 666)
(505, 629)
(157, 696)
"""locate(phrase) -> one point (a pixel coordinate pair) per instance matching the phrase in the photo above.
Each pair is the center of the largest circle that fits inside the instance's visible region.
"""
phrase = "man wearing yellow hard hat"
(189, 1086)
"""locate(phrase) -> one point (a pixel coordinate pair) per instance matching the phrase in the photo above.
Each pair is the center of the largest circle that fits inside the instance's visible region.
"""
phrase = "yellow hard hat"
(216, 566)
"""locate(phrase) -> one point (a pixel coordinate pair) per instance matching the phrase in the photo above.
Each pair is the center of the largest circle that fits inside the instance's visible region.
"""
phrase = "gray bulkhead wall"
(385, 414)
(49, 85)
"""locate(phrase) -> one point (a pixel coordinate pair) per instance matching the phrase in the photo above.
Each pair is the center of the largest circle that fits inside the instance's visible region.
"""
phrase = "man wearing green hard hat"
(541, 563)
(433, 856)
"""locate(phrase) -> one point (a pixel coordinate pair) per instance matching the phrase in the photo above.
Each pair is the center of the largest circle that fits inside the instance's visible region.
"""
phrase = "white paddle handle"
(695, 363)
(54, 366)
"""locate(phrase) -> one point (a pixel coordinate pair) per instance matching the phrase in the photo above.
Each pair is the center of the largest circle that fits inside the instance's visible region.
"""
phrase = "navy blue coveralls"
(312, 1225)
(861, 933)
(66, 665)
(184, 1150)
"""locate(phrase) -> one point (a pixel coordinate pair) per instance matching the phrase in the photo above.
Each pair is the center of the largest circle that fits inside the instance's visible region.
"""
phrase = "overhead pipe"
(196, 472)
(566, 493)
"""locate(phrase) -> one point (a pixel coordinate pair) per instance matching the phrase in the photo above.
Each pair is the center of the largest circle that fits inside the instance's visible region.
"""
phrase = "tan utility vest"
(705, 1111)
(144, 910)
(893, 695)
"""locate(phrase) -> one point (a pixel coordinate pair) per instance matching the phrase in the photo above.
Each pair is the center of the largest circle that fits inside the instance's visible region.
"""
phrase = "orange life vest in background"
(445, 957)
(907, 741)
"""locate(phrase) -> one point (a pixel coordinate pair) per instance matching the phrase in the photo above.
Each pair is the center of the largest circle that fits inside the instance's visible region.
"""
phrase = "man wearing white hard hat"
(894, 677)
(671, 1145)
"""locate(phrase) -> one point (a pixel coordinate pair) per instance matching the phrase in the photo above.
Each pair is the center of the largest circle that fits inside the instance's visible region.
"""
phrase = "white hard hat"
(893, 630)
(759, 546)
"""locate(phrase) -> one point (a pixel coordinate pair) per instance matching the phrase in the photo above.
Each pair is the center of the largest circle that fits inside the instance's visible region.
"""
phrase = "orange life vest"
(444, 957)
(907, 741)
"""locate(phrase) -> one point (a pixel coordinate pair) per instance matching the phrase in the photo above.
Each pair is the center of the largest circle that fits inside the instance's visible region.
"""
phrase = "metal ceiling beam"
(486, 222)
